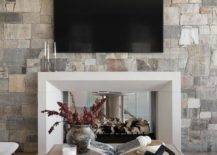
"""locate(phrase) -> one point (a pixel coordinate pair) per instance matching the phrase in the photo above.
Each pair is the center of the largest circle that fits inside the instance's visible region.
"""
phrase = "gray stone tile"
(14, 69)
(42, 31)
(4, 135)
(190, 92)
(209, 3)
(194, 19)
(22, 98)
(184, 112)
(33, 53)
(209, 105)
(18, 123)
(214, 118)
(195, 136)
(147, 65)
(30, 147)
(4, 99)
(206, 93)
(31, 81)
(193, 113)
(17, 57)
(2, 17)
(198, 124)
(13, 18)
(168, 64)
(1, 31)
(2, 6)
(3, 85)
(31, 18)
(32, 138)
(12, 110)
(171, 16)
(172, 31)
(27, 6)
(33, 65)
(17, 31)
(14, 56)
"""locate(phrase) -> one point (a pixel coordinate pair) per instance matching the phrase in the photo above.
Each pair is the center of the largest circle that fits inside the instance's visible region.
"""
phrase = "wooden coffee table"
(57, 150)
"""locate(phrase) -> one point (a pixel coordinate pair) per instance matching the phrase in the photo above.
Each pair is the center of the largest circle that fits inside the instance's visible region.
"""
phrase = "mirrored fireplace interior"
(123, 113)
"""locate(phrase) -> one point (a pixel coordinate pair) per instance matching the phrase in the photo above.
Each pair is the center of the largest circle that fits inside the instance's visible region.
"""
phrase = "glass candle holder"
(69, 150)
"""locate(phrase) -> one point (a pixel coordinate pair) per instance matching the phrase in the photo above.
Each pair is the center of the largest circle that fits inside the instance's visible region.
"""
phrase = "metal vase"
(80, 135)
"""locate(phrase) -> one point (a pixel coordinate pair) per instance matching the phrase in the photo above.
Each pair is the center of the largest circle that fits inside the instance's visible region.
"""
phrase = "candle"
(67, 150)
(48, 52)
(55, 50)
(45, 49)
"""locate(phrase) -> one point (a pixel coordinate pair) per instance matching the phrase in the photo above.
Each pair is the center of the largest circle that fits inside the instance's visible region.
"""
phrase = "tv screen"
(108, 26)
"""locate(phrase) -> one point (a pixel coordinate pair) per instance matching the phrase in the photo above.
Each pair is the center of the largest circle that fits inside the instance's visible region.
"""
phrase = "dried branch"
(88, 117)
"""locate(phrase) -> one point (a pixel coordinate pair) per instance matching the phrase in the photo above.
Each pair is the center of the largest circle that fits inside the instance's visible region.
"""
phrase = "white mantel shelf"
(167, 85)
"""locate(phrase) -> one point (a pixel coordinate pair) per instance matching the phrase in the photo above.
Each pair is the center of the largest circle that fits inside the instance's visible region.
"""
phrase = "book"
(161, 150)
(107, 149)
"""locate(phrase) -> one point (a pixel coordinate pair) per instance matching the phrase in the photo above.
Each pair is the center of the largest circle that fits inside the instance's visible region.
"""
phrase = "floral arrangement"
(72, 117)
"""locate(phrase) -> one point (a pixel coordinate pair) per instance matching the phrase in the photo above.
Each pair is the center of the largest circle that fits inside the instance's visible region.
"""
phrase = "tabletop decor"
(79, 124)
(49, 62)
(45, 61)
(68, 150)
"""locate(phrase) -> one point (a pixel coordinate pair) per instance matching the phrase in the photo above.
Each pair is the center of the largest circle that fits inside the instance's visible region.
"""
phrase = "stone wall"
(190, 46)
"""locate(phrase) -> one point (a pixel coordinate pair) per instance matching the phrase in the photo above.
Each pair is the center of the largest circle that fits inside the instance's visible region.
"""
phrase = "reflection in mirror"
(137, 105)
(124, 105)
(131, 113)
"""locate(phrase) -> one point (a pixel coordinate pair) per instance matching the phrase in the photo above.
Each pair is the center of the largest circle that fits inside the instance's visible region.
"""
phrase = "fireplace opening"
(108, 25)
(123, 117)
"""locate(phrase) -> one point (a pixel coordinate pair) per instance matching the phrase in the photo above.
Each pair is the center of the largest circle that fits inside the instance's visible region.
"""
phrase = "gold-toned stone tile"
(16, 83)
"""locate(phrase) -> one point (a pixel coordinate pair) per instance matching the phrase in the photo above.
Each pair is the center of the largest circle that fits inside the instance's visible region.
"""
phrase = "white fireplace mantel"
(167, 85)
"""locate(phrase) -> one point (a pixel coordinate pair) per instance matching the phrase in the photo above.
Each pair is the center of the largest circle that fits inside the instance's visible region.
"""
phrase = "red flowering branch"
(97, 106)
(88, 117)
(50, 112)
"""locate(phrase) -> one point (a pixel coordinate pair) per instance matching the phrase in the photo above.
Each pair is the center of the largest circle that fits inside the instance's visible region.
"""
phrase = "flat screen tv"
(108, 26)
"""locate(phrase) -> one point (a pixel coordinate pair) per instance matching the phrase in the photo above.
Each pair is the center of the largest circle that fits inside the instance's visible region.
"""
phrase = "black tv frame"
(113, 51)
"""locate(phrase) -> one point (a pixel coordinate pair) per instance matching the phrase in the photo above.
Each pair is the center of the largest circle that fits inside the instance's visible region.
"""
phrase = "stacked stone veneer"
(190, 46)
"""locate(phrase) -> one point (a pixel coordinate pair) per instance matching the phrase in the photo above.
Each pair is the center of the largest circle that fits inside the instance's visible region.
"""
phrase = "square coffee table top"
(57, 150)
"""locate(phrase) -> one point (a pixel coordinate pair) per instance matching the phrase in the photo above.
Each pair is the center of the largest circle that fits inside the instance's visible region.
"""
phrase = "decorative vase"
(80, 135)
